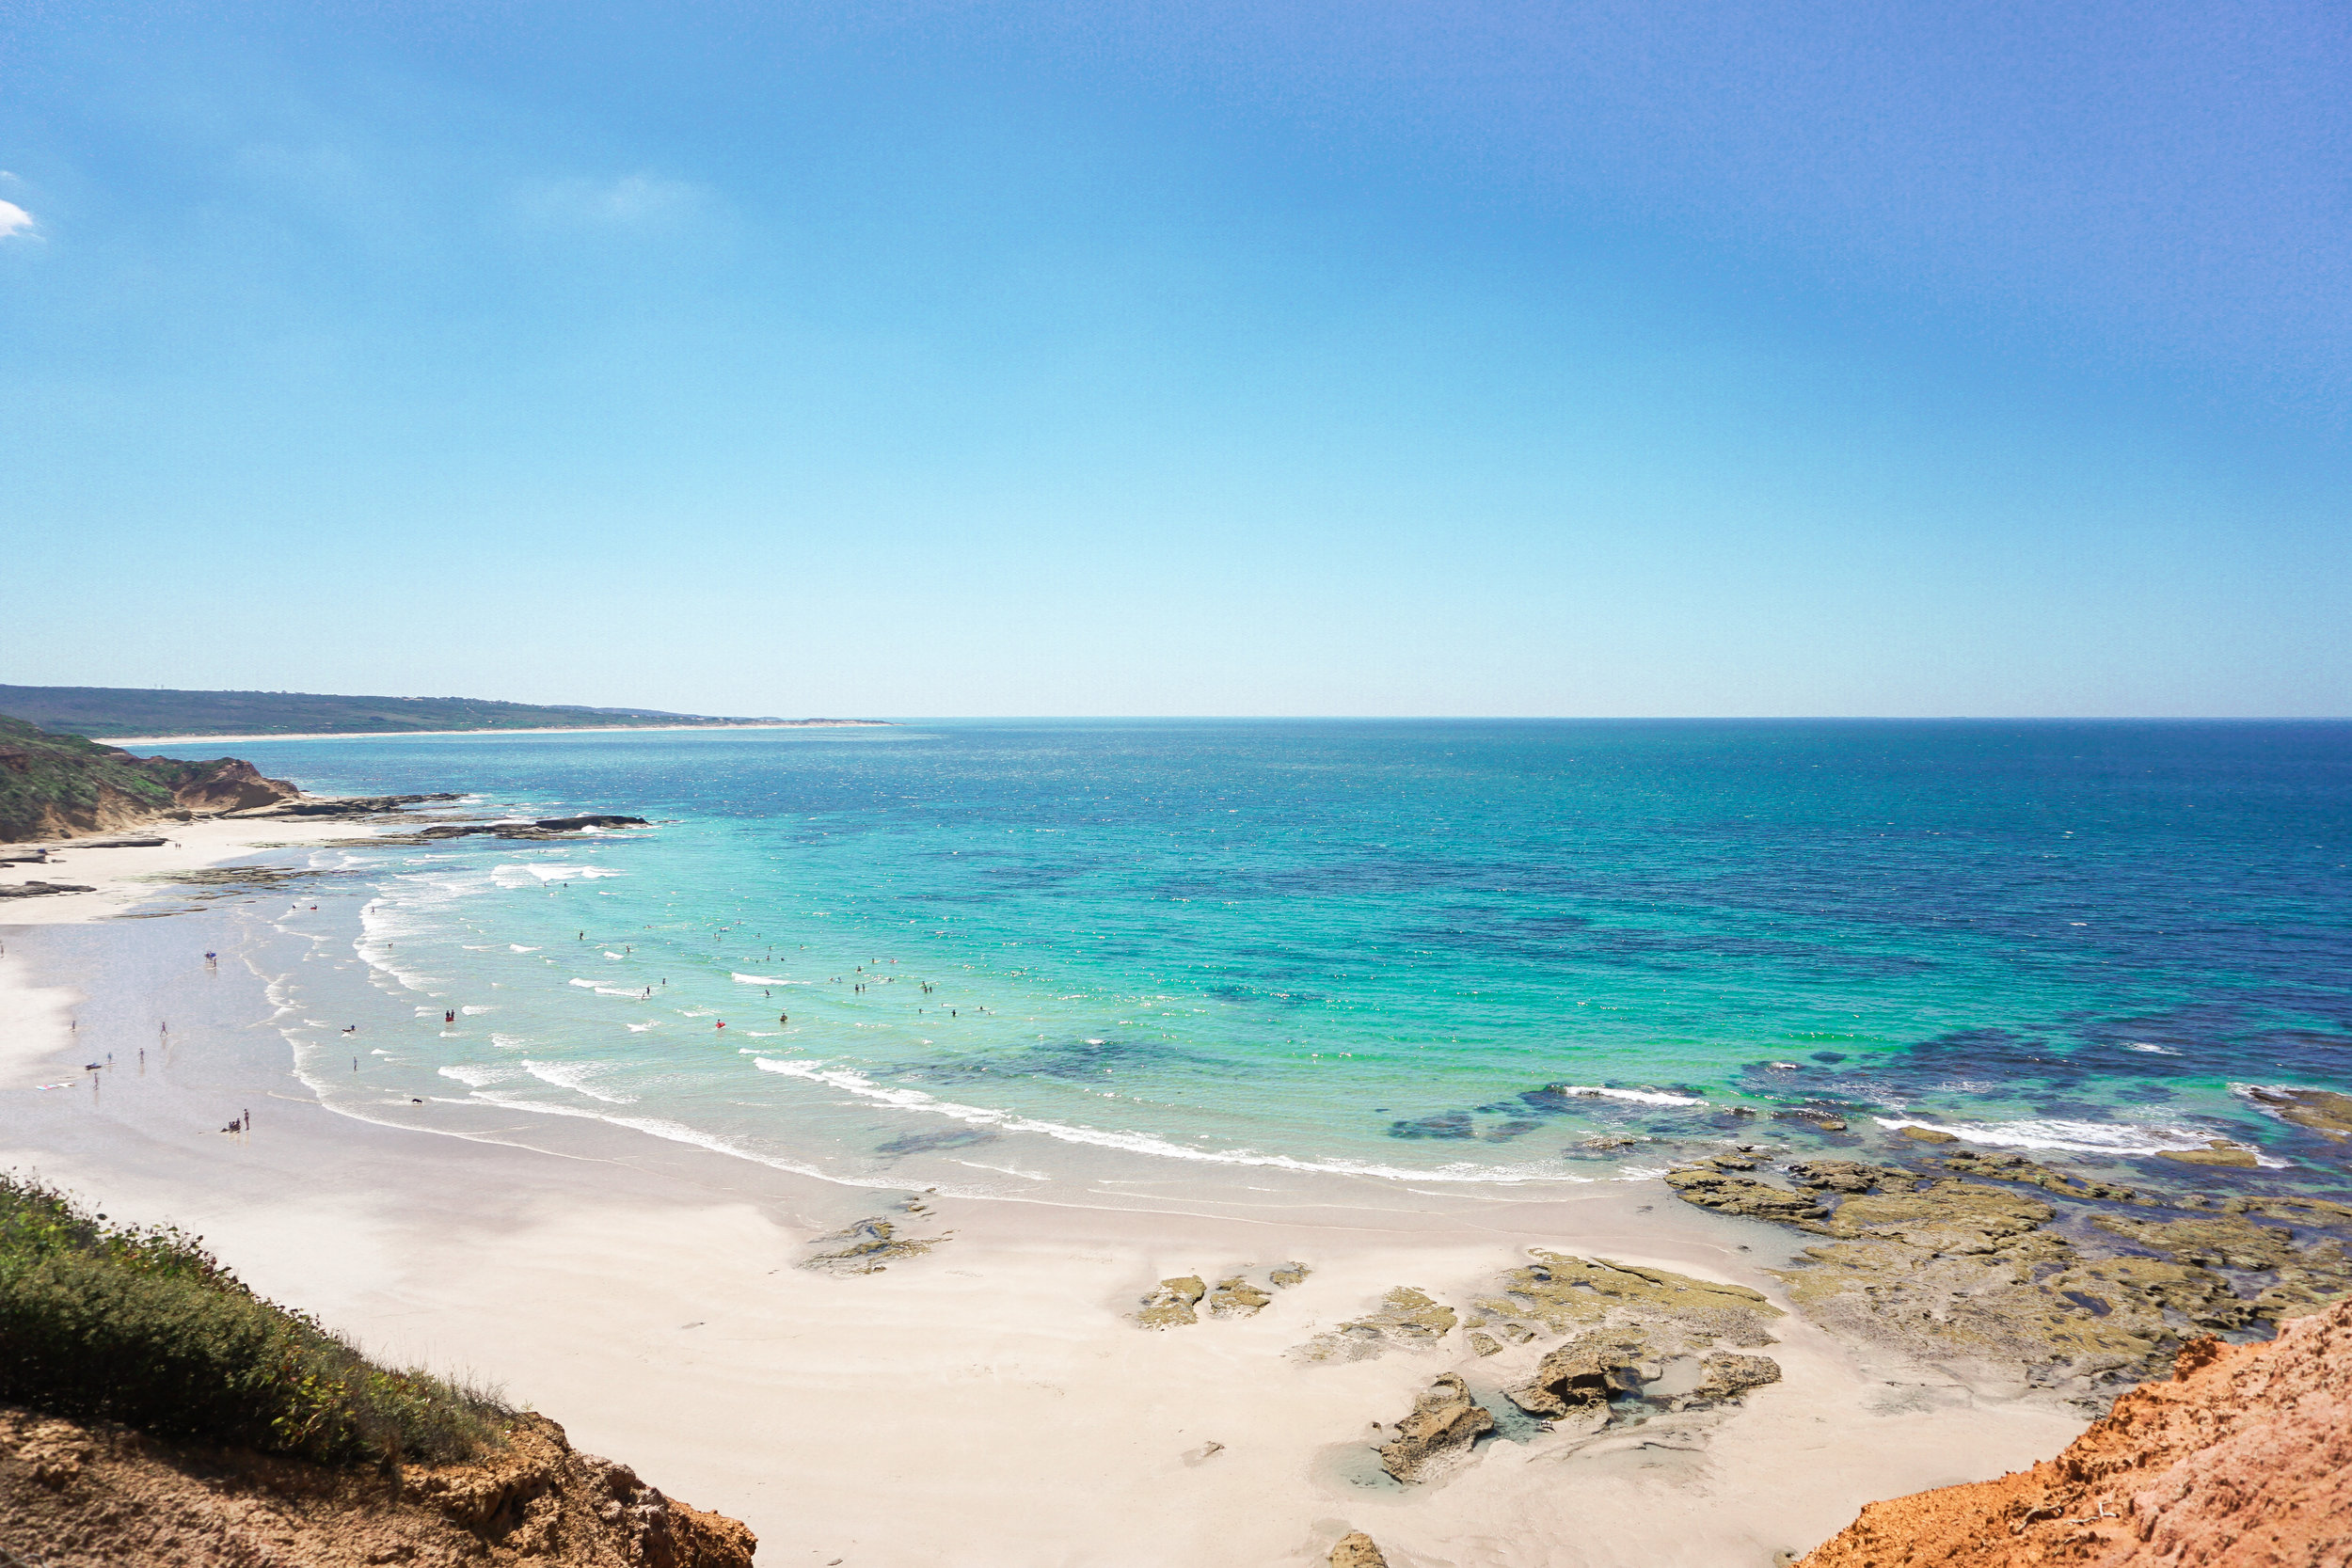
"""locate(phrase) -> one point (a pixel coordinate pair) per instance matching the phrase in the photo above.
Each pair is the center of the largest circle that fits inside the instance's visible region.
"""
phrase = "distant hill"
(110, 711)
(63, 786)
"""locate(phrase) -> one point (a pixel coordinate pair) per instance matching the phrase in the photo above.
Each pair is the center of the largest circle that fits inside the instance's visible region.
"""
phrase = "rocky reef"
(75, 1495)
(1991, 1263)
(2243, 1456)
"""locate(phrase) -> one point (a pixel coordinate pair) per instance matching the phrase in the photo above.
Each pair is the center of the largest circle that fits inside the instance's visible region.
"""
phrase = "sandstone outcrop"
(1405, 1317)
(2243, 1456)
(1355, 1550)
(98, 1497)
(1444, 1424)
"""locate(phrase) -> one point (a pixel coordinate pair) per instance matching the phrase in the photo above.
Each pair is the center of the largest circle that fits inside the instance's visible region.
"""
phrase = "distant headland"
(122, 713)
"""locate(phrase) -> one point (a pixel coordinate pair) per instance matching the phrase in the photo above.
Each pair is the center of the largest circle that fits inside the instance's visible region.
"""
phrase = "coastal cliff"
(64, 787)
(75, 1495)
(2243, 1456)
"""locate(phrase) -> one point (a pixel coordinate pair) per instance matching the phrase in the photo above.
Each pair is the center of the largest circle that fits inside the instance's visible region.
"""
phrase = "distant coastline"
(126, 741)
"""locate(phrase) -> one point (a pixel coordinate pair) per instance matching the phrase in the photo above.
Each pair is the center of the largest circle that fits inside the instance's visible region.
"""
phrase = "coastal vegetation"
(104, 711)
(56, 786)
(142, 1326)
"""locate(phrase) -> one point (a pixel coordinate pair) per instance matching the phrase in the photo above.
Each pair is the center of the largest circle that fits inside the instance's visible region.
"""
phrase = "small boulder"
(1729, 1374)
(1355, 1550)
(1578, 1379)
(1445, 1422)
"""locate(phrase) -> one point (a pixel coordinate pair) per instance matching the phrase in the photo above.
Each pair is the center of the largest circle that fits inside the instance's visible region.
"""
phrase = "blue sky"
(934, 359)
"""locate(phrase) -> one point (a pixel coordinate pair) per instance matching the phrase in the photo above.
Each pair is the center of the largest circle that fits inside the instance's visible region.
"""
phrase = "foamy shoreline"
(989, 1404)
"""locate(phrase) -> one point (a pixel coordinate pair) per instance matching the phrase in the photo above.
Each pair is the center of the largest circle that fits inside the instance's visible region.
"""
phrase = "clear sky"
(1261, 356)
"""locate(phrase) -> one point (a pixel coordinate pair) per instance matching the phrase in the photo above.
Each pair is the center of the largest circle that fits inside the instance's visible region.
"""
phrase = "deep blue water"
(1411, 947)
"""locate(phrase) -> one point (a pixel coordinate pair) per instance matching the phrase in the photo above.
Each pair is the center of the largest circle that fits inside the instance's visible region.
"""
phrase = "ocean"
(994, 956)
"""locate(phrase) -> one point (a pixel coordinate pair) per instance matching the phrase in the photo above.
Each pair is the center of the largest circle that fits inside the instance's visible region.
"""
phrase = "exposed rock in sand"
(868, 1246)
(1236, 1298)
(1355, 1550)
(1576, 1381)
(1444, 1424)
(1727, 1374)
(1674, 1313)
(2244, 1457)
(1406, 1317)
(1483, 1343)
(81, 1496)
(1288, 1275)
(1170, 1305)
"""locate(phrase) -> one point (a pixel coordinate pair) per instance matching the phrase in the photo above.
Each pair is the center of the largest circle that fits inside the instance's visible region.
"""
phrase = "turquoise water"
(1435, 951)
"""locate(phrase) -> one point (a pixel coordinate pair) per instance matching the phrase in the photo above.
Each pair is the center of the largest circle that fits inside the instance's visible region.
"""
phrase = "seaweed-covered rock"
(2001, 1167)
(1170, 1305)
(1444, 1423)
(1850, 1176)
(2320, 1110)
(1236, 1298)
(2229, 1240)
(1746, 1196)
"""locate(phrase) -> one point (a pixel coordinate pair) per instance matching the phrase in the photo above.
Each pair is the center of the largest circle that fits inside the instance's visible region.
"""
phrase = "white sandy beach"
(990, 1404)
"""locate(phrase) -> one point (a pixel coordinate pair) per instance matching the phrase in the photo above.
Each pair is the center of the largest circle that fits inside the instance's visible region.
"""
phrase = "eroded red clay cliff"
(79, 1497)
(2243, 1458)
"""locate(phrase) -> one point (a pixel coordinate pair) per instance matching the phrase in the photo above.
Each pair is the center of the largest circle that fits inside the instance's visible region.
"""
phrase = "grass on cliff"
(106, 1322)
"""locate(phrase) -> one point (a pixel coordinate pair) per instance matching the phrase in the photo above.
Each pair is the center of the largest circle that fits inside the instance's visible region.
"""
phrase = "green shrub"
(145, 1327)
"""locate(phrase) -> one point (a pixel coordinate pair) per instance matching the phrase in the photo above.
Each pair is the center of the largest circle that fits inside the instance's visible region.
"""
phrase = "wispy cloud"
(629, 201)
(15, 220)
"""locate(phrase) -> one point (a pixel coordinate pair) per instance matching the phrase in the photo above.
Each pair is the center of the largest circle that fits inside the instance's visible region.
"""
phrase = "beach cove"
(635, 1267)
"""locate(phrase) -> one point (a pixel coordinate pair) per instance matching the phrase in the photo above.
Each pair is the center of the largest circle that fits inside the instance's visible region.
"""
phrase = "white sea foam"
(1639, 1097)
(765, 980)
(518, 947)
(575, 1076)
(2077, 1138)
(858, 1083)
(477, 1077)
(562, 871)
(470, 1011)
(640, 1028)
(2150, 1049)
